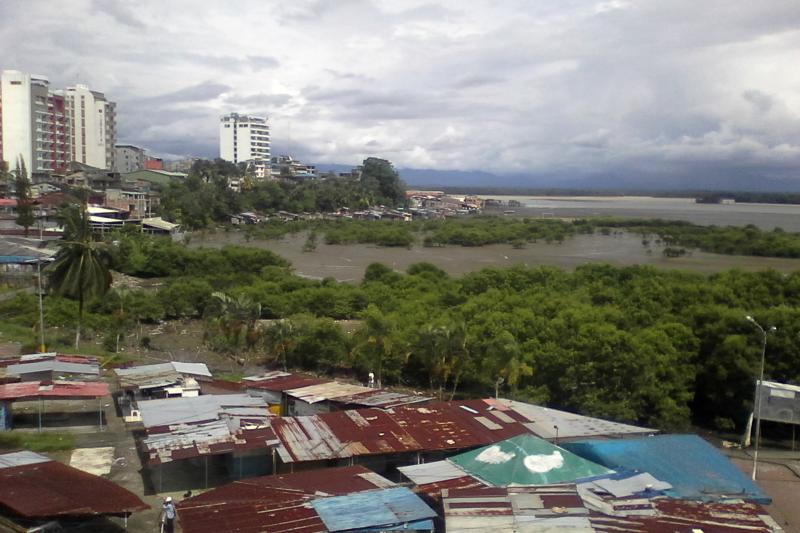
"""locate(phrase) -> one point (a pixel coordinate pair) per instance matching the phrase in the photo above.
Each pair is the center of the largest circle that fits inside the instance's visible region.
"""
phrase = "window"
(16, 83)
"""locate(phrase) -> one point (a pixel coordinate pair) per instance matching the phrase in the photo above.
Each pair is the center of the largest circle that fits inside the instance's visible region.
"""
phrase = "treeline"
(205, 198)
(637, 344)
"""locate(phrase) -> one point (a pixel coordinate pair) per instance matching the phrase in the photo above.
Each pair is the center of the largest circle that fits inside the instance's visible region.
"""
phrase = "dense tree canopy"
(204, 198)
(664, 348)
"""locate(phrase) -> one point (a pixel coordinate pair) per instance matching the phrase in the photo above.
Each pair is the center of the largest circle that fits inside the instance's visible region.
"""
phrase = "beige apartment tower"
(93, 127)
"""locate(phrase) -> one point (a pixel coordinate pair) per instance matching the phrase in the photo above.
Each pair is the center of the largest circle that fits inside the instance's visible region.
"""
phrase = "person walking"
(168, 514)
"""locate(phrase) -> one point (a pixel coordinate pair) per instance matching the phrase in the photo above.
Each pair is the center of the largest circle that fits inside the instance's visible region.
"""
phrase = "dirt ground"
(779, 476)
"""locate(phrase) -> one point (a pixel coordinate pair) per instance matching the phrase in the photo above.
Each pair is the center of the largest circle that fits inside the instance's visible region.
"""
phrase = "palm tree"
(236, 318)
(80, 270)
(377, 344)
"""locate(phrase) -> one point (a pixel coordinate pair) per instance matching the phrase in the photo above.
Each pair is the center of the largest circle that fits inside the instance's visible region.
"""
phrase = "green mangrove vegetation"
(662, 348)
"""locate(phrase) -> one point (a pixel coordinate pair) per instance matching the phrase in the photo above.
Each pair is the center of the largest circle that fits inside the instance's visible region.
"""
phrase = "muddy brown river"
(347, 262)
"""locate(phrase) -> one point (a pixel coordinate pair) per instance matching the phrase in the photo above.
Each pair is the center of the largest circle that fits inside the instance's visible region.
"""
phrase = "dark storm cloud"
(558, 88)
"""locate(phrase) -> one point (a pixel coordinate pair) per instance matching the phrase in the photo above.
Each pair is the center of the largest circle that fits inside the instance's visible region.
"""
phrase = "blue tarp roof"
(694, 468)
(379, 510)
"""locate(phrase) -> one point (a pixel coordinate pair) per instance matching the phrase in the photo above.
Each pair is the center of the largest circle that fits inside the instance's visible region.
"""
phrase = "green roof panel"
(526, 460)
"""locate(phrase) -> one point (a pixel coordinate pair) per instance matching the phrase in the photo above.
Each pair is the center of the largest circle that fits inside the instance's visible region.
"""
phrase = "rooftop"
(159, 375)
(34, 486)
(694, 468)
(274, 503)
(28, 390)
(526, 460)
(395, 508)
(193, 409)
(552, 424)
(432, 427)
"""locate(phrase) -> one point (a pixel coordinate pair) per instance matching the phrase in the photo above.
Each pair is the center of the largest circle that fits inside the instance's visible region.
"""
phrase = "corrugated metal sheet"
(159, 375)
(21, 458)
(682, 516)
(52, 489)
(453, 425)
(435, 472)
(629, 485)
(380, 398)
(148, 376)
(171, 411)
(185, 441)
(542, 422)
(326, 391)
(526, 460)
(273, 503)
(192, 369)
(375, 510)
(515, 510)
(53, 365)
(54, 390)
(694, 468)
(280, 381)
(433, 427)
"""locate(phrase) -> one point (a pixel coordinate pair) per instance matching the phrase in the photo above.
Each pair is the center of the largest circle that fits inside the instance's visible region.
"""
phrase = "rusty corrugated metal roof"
(277, 381)
(273, 503)
(433, 427)
(55, 390)
(185, 441)
(51, 489)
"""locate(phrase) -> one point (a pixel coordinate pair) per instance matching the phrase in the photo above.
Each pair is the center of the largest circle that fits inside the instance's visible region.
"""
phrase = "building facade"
(34, 123)
(244, 138)
(93, 127)
(128, 158)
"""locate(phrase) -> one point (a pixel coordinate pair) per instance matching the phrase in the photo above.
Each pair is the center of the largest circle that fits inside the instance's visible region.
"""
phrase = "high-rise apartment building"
(93, 127)
(128, 158)
(34, 123)
(244, 138)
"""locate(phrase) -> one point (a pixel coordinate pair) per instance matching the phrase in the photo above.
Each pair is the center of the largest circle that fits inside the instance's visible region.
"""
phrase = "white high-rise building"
(244, 138)
(33, 123)
(93, 127)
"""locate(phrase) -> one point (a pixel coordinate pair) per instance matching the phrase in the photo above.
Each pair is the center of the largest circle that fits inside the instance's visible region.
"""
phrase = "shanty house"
(51, 367)
(39, 494)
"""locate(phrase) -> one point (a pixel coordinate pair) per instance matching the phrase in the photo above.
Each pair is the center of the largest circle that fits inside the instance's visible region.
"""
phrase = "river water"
(765, 216)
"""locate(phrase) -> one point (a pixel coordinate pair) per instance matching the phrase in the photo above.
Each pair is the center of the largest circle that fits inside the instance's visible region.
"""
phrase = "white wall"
(17, 121)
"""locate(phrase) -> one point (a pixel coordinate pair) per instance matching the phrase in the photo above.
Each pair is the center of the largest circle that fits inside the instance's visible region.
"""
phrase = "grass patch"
(36, 442)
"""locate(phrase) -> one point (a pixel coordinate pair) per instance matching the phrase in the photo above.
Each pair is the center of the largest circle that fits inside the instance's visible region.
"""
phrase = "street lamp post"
(764, 333)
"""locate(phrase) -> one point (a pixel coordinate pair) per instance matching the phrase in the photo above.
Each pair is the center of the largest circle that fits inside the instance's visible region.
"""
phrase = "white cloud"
(502, 86)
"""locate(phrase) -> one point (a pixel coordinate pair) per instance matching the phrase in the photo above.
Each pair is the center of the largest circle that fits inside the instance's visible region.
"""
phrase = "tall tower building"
(33, 123)
(244, 138)
(93, 127)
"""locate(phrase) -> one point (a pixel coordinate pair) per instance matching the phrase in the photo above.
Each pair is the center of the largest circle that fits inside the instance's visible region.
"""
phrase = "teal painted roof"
(526, 460)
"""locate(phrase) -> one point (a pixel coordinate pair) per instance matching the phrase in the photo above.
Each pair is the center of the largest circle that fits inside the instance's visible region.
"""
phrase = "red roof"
(280, 381)
(58, 389)
(272, 503)
(50, 489)
(434, 490)
(7, 202)
(458, 425)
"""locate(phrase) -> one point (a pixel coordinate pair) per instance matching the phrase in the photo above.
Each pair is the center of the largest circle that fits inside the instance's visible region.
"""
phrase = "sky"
(555, 87)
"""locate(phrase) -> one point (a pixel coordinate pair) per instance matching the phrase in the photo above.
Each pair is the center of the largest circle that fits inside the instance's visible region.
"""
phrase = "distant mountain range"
(711, 180)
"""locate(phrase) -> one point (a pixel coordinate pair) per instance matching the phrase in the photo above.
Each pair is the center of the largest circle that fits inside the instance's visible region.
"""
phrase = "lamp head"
(773, 329)
(750, 318)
